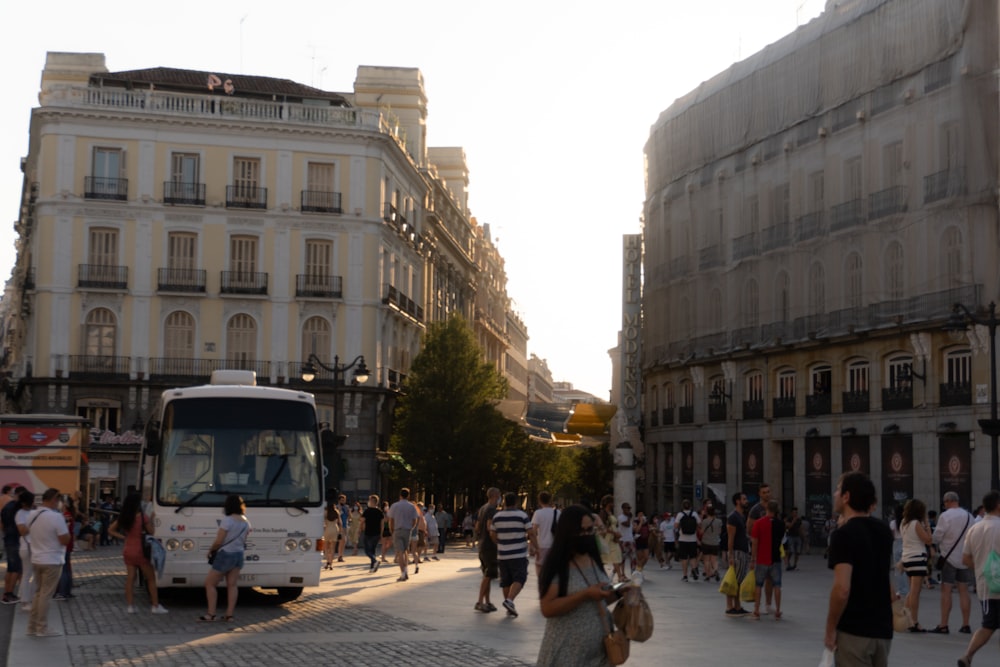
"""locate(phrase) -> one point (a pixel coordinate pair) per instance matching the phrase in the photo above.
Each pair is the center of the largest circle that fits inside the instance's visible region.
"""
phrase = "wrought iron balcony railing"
(745, 246)
(818, 404)
(846, 215)
(246, 196)
(94, 365)
(856, 401)
(243, 282)
(956, 394)
(327, 287)
(717, 412)
(686, 414)
(887, 202)
(668, 416)
(103, 276)
(164, 368)
(181, 280)
(783, 406)
(944, 184)
(753, 409)
(776, 236)
(186, 194)
(102, 187)
(897, 398)
(320, 201)
(403, 303)
(810, 226)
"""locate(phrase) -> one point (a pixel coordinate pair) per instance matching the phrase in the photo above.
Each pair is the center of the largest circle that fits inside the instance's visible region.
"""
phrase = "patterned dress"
(611, 551)
(576, 638)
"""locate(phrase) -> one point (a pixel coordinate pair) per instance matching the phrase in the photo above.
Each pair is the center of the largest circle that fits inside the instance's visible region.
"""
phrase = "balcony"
(753, 409)
(667, 416)
(710, 257)
(856, 401)
(261, 368)
(244, 282)
(29, 278)
(680, 267)
(183, 370)
(956, 394)
(102, 276)
(394, 379)
(774, 237)
(184, 194)
(84, 366)
(745, 246)
(783, 406)
(404, 304)
(102, 187)
(654, 418)
(847, 215)
(323, 287)
(246, 196)
(897, 398)
(320, 201)
(887, 202)
(818, 404)
(944, 185)
(181, 280)
(810, 226)
(717, 412)
(686, 414)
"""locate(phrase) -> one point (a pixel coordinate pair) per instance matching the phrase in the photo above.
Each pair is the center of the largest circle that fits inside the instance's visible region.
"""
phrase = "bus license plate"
(248, 577)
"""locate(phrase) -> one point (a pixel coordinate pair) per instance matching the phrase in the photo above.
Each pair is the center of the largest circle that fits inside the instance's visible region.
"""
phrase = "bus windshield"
(264, 450)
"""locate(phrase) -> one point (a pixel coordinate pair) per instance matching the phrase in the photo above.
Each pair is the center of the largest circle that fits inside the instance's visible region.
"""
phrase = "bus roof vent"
(248, 378)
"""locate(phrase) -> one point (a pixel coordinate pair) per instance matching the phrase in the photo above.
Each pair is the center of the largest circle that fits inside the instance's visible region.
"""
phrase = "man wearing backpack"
(687, 540)
(982, 544)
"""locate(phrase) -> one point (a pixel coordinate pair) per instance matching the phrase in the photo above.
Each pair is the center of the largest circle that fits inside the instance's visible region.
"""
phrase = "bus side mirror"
(152, 435)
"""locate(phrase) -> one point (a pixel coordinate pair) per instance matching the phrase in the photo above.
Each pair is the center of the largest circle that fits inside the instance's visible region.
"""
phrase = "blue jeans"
(371, 544)
(65, 585)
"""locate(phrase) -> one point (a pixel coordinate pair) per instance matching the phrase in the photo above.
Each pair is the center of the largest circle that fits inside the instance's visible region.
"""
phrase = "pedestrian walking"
(333, 533)
(131, 526)
(511, 529)
(25, 515)
(574, 591)
(711, 526)
(916, 537)
(402, 519)
(687, 540)
(386, 532)
(543, 520)
(793, 546)
(12, 548)
(611, 536)
(949, 535)
(981, 543)
(668, 531)
(227, 557)
(859, 615)
(487, 550)
(443, 519)
(371, 531)
(626, 538)
(49, 537)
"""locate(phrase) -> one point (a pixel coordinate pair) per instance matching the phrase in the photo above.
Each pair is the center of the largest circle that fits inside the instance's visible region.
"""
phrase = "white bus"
(204, 443)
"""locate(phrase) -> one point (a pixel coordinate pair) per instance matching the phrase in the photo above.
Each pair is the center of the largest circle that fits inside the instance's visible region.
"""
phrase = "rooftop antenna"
(241, 41)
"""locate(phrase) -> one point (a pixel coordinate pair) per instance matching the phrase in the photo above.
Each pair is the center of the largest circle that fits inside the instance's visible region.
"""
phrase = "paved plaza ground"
(362, 620)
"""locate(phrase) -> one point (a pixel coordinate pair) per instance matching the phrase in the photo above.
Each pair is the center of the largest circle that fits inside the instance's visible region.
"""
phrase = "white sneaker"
(130, 609)
(767, 610)
(159, 609)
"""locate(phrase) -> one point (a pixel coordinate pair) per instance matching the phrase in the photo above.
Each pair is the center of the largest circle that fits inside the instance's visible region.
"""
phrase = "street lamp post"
(960, 317)
(338, 369)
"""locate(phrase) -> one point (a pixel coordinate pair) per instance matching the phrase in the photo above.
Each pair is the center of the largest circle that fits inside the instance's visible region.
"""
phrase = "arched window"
(178, 336)
(316, 338)
(241, 339)
(852, 280)
(894, 282)
(101, 333)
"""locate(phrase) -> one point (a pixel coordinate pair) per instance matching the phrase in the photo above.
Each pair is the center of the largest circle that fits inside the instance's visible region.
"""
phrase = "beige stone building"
(812, 215)
(174, 222)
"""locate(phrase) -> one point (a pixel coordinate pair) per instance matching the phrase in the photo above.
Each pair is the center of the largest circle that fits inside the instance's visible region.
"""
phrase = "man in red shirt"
(765, 556)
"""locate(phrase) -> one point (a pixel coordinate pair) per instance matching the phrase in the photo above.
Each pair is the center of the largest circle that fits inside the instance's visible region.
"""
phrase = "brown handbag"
(616, 643)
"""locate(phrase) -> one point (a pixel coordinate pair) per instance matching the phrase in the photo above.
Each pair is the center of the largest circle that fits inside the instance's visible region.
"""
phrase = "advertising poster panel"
(40, 452)
(955, 465)
(897, 471)
(856, 454)
(717, 462)
(753, 469)
(819, 488)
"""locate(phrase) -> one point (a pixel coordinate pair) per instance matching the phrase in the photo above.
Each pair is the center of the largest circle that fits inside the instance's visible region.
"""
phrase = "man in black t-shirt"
(739, 550)
(11, 547)
(487, 550)
(859, 619)
(371, 529)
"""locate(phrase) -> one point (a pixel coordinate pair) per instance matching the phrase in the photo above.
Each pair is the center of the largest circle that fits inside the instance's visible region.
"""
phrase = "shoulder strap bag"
(616, 643)
(944, 559)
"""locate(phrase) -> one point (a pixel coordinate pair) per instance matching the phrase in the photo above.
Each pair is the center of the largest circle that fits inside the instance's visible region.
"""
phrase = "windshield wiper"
(198, 495)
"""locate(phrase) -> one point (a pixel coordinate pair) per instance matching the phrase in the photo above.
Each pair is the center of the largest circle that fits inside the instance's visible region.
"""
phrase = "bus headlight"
(306, 544)
(187, 545)
(291, 545)
(173, 544)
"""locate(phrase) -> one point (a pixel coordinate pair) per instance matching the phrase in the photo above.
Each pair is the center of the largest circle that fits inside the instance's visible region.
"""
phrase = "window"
(781, 298)
(958, 368)
(243, 256)
(715, 310)
(951, 146)
(894, 288)
(316, 338)
(669, 399)
(952, 257)
(816, 191)
(319, 177)
(246, 176)
(898, 372)
(687, 394)
(753, 215)
(892, 164)
(751, 312)
(852, 280)
(319, 261)
(101, 332)
(178, 336)
(755, 386)
(817, 289)
(241, 338)
(109, 163)
(852, 179)
(782, 204)
(786, 384)
(184, 168)
(182, 251)
(821, 379)
(103, 249)
(857, 377)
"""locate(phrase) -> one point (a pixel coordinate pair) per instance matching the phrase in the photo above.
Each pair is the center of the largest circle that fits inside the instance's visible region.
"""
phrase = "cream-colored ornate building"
(812, 215)
(174, 222)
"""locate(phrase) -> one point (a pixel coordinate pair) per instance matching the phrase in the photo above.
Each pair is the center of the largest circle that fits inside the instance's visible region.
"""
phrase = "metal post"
(994, 470)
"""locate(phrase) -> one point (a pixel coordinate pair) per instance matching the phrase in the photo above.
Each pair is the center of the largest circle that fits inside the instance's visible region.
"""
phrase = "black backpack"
(689, 524)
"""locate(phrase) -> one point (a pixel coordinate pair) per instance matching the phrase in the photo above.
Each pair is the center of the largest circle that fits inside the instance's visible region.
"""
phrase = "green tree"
(447, 428)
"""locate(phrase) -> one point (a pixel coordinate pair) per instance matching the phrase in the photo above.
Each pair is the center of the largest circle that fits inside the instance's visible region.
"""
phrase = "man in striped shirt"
(511, 529)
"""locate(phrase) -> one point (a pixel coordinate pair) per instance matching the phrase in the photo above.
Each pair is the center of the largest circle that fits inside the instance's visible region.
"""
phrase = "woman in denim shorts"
(228, 548)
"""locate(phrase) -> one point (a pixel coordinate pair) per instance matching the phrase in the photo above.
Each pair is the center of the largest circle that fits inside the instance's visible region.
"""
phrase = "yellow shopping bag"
(747, 587)
(729, 586)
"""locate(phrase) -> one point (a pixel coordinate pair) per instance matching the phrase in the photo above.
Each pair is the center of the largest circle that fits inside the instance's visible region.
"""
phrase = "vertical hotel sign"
(631, 326)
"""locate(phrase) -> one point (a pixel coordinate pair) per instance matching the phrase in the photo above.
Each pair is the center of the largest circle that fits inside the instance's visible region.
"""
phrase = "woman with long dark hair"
(129, 527)
(333, 532)
(574, 592)
(229, 547)
(916, 536)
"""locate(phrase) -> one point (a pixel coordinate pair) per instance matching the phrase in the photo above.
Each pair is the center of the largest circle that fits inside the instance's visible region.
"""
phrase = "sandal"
(228, 619)
(940, 630)
(207, 617)
(777, 615)
(916, 628)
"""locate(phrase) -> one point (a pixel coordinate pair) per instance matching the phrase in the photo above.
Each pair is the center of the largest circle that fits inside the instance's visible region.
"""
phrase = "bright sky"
(552, 101)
